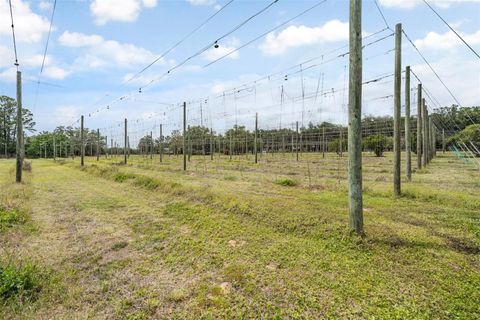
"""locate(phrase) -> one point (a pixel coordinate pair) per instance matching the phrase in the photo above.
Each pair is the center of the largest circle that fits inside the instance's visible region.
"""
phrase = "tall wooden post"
(19, 151)
(419, 126)
(98, 144)
(189, 143)
(125, 142)
(355, 119)
(296, 138)
(230, 151)
(425, 134)
(160, 144)
(255, 138)
(408, 146)
(54, 148)
(151, 145)
(212, 151)
(396, 112)
(341, 141)
(323, 142)
(184, 136)
(443, 140)
(432, 137)
(82, 143)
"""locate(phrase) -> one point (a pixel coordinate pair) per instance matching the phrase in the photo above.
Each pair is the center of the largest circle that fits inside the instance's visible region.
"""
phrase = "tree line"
(322, 137)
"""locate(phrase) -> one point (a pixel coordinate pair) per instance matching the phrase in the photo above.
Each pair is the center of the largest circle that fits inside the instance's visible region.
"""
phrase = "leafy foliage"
(376, 143)
(8, 128)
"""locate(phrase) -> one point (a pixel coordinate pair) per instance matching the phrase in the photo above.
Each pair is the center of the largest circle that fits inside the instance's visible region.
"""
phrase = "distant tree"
(8, 127)
(471, 134)
(376, 143)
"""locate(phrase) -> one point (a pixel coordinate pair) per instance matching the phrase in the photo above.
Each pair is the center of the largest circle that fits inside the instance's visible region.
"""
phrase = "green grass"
(11, 217)
(286, 182)
(221, 241)
(21, 283)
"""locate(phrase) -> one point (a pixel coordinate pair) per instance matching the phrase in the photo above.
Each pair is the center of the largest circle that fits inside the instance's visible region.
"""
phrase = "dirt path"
(85, 234)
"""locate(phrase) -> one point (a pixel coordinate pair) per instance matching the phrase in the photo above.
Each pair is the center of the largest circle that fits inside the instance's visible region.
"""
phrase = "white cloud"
(150, 3)
(140, 80)
(64, 114)
(6, 56)
(36, 60)
(9, 75)
(409, 4)
(201, 2)
(223, 49)
(447, 40)
(29, 26)
(102, 53)
(45, 5)
(296, 36)
(217, 88)
(54, 72)
(118, 10)
(76, 40)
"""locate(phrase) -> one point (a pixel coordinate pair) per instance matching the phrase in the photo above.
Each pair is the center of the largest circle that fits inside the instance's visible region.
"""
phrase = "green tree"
(376, 143)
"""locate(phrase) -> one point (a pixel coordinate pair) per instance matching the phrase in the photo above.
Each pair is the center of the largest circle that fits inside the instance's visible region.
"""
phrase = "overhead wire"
(13, 35)
(45, 53)
(451, 28)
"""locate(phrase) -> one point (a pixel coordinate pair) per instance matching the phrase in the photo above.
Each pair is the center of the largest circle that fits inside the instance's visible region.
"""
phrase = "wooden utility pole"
(82, 144)
(184, 136)
(19, 146)
(160, 144)
(255, 138)
(408, 147)
(296, 138)
(396, 112)
(98, 144)
(355, 119)
(419, 126)
(125, 145)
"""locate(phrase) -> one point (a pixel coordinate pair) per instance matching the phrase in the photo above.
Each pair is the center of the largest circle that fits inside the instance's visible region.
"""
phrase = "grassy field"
(235, 240)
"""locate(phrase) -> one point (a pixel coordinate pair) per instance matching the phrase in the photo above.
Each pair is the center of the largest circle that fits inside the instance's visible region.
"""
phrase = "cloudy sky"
(98, 47)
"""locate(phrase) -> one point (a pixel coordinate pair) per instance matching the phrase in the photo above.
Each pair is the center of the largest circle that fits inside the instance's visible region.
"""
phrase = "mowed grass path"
(229, 242)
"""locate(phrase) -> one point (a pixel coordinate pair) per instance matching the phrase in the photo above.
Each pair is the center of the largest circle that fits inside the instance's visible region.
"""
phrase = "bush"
(375, 143)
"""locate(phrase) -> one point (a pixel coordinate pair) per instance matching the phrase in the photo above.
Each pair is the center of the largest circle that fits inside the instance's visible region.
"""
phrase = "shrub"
(375, 143)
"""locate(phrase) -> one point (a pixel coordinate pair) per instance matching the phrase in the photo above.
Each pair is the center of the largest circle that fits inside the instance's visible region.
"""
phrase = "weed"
(11, 217)
(119, 245)
(19, 282)
(286, 182)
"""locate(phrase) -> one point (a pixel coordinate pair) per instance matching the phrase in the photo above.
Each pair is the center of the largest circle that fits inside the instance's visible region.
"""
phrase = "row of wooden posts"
(425, 128)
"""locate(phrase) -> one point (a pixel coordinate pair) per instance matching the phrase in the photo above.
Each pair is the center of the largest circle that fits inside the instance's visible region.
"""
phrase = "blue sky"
(96, 45)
